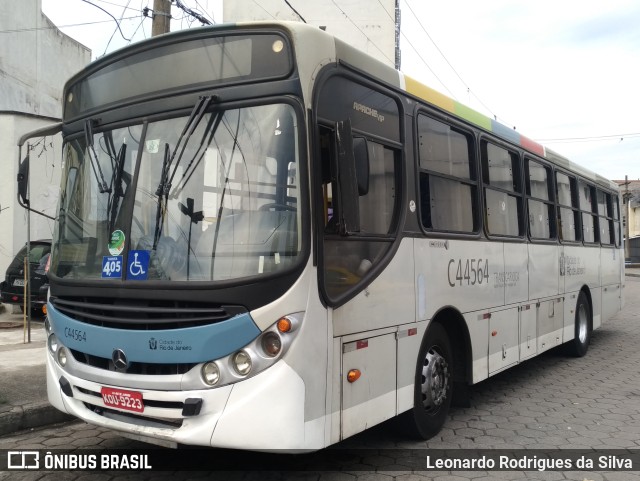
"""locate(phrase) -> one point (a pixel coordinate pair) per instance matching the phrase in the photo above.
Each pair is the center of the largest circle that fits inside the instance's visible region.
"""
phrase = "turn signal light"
(44, 309)
(284, 325)
(353, 375)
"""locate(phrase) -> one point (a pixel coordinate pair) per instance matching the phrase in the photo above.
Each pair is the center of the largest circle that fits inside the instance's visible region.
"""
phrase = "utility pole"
(626, 197)
(161, 17)
(397, 32)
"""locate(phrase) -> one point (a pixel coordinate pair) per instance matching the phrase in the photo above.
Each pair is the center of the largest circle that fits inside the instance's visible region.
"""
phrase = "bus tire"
(433, 386)
(578, 346)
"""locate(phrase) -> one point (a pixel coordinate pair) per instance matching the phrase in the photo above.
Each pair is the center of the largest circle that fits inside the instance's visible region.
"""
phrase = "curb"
(32, 415)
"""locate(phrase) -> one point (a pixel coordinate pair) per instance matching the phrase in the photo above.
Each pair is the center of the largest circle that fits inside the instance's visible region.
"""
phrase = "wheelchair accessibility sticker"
(138, 265)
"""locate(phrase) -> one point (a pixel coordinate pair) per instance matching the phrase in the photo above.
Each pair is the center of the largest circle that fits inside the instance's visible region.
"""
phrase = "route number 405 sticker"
(111, 267)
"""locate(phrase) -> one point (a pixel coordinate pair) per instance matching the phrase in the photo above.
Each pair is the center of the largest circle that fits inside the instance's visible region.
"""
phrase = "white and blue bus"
(267, 239)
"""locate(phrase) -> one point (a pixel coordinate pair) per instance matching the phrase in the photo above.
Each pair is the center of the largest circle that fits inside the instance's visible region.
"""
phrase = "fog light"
(271, 344)
(242, 362)
(62, 356)
(52, 342)
(210, 373)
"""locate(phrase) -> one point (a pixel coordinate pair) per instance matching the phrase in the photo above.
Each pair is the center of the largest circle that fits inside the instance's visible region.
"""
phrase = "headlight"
(52, 342)
(62, 356)
(271, 344)
(210, 373)
(242, 363)
(47, 325)
(250, 360)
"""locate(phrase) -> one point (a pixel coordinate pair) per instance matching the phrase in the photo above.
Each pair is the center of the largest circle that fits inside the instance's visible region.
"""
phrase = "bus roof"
(367, 63)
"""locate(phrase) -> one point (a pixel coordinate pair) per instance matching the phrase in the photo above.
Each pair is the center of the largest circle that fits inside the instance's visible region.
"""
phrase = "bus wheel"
(582, 336)
(433, 385)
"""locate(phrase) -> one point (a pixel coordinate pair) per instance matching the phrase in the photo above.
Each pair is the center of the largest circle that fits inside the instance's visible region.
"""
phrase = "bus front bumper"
(263, 413)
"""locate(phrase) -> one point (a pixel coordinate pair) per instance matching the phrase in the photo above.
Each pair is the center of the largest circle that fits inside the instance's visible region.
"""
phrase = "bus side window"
(588, 207)
(540, 201)
(447, 177)
(568, 213)
(502, 191)
(347, 259)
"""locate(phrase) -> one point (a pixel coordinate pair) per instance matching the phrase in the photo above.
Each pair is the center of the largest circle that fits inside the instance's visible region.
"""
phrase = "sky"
(565, 73)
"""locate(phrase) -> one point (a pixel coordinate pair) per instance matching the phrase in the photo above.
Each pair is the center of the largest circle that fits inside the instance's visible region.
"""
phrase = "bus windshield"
(211, 196)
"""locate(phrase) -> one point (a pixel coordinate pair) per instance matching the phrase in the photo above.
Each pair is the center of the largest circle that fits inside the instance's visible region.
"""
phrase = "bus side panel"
(409, 339)
(467, 275)
(543, 271)
(581, 267)
(611, 287)
(478, 325)
(388, 301)
(370, 399)
(516, 280)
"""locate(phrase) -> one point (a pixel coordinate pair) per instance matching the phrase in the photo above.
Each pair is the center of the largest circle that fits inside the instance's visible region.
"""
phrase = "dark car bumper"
(15, 295)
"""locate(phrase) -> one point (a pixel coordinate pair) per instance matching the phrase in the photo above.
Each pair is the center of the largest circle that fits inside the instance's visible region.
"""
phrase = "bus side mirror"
(344, 169)
(23, 181)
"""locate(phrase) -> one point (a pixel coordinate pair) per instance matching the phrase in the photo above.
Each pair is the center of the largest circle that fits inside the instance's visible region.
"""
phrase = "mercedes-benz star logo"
(119, 360)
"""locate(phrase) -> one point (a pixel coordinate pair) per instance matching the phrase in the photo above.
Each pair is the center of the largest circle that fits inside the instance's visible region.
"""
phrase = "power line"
(205, 12)
(449, 63)
(427, 65)
(191, 12)
(295, 11)
(118, 22)
(58, 27)
(596, 138)
(265, 10)
(118, 5)
(366, 36)
(114, 18)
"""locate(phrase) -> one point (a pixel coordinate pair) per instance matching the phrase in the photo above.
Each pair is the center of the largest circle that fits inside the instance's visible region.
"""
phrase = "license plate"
(122, 399)
(18, 282)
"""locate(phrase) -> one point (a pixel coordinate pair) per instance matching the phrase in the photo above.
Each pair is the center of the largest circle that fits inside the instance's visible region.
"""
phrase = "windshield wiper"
(192, 123)
(93, 157)
(117, 185)
(164, 186)
(211, 128)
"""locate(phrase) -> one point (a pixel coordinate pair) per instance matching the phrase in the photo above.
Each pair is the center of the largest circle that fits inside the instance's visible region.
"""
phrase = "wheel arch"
(456, 328)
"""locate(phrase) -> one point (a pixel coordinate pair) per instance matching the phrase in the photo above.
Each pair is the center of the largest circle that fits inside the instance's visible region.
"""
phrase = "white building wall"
(36, 59)
(368, 25)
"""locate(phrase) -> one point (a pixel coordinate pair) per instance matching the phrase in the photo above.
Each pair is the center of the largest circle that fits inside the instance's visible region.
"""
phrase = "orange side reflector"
(284, 324)
(353, 375)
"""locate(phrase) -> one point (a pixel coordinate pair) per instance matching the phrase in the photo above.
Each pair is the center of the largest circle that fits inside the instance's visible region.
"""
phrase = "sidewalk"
(23, 390)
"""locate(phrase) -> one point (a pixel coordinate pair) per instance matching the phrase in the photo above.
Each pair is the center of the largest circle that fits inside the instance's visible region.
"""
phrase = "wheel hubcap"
(435, 380)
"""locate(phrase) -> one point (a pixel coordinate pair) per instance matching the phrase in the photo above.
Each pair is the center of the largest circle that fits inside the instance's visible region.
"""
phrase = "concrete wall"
(36, 59)
(367, 25)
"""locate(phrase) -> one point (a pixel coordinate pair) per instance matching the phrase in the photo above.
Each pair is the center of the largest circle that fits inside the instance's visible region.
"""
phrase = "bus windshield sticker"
(116, 243)
(138, 265)
(112, 267)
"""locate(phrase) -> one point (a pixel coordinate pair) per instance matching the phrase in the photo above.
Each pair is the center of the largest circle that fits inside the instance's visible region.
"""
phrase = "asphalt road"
(550, 402)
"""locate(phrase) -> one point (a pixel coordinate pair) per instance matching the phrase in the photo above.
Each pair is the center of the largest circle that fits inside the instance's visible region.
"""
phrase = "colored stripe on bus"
(187, 345)
(440, 100)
